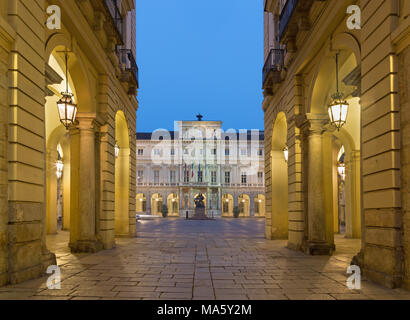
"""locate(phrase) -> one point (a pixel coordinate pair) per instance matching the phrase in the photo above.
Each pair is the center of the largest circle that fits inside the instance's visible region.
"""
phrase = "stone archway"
(156, 204)
(322, 143)
(122, 215)
(173, 205)
(277, 213)
(259, 205)
(141, 203)
(244, 204)
(227, 205)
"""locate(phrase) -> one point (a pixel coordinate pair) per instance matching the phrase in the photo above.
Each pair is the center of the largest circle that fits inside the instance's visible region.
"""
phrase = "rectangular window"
(243, 178)
(244, 152)
(172, 152)
(227, 151)
(140, 176)
(156, 176)
(260, 177)
(140, 152)
(200, 176)
(157, 152)
(213, 176)
(226, 207)
(213, 152)
(260, 152)
(227, 177)
(172, 176)
(186, 176)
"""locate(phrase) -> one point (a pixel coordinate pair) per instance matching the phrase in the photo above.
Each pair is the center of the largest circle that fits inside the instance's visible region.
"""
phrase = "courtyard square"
(223, 259)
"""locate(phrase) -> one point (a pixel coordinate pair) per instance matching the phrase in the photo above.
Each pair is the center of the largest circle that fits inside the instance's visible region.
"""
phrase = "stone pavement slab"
(201, 260)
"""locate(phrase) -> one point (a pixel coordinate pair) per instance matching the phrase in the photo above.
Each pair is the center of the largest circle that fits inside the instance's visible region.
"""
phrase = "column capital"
(313, 123)
(86, 121)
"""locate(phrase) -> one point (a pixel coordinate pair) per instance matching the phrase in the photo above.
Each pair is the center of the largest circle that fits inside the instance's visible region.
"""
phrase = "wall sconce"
(286, 153)
(117, 150)
(341, 169)
(60, 168)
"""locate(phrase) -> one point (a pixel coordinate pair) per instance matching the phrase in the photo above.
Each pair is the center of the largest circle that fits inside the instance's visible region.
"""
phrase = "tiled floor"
(221, 259)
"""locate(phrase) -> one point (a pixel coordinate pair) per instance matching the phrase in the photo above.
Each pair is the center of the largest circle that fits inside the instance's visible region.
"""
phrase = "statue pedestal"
(200, 214)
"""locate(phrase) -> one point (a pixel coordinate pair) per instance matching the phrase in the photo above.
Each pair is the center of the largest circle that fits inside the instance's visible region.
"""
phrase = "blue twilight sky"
(200, 56)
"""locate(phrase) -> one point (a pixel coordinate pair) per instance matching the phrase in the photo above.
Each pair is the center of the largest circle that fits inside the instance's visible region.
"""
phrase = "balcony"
(285, 15)
(117, 21)
(272, 68)
(294, 17)
(129, 69)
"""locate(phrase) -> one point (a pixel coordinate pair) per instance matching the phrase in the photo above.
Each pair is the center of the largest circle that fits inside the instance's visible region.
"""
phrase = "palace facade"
(336, 82)
(198, 157)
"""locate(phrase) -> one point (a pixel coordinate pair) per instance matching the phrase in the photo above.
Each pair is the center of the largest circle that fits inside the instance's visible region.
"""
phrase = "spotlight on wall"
(117, 150)
(60, 167)
(286, 153)
(67, 109)
(338, 108)
(260, 200)
(341, 169)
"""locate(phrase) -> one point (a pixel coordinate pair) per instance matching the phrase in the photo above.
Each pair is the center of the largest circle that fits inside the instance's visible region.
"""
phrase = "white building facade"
(227, 167)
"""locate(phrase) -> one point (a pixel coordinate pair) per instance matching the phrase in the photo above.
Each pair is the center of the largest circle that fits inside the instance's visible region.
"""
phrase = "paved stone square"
(221, 259)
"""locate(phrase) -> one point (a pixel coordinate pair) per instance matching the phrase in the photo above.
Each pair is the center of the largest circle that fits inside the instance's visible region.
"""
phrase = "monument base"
(200, 215)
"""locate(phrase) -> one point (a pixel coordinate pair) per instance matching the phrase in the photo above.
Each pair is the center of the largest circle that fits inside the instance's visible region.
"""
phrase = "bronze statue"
(199, 201)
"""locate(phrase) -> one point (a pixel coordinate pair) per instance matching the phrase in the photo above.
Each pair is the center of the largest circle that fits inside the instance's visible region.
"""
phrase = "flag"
(192, 170)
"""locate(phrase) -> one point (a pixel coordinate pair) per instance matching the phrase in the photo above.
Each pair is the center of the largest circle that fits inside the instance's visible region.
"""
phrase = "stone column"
(316, 243)
(83, 185)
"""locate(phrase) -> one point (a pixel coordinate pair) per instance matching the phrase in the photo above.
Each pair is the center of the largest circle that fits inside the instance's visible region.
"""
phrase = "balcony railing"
(128, 61)
(115, 13)
(285, 16)
(273, 63)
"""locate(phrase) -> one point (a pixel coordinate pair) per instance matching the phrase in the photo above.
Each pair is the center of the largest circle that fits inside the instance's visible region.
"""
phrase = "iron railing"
(127, 59)
(285, 15)
(274, 62)
(115, 12)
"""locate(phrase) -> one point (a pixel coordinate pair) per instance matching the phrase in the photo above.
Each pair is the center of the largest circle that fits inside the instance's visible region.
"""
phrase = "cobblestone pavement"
(222, 259)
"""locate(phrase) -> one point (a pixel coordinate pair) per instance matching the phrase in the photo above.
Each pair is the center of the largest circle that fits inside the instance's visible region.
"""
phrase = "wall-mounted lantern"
(286, 153)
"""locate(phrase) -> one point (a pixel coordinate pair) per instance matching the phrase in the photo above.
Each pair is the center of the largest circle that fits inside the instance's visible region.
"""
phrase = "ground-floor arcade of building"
(219, 202)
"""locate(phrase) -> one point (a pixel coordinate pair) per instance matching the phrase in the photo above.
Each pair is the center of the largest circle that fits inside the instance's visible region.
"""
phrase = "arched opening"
(122, 175)
(141, 203)
(58, 148)
(259, 205)
(156, 204)
(173, 205)
(227, 205)
(340, 208)
(244, 204)
(277, 214)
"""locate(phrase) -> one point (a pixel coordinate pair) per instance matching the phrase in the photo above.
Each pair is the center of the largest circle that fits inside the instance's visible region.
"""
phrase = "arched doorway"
(259, 205)
(330, 200)
(122, 214)
(58, 148)
(141, 203)
(244, 204)
(277, 214)
(156, 204)
(173, 205)
(227, 205)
